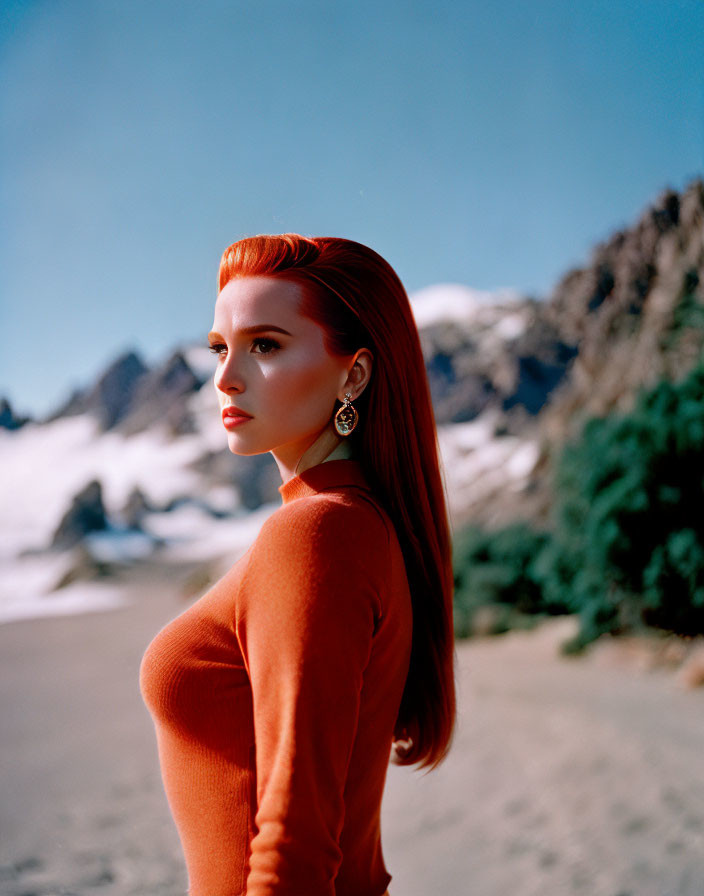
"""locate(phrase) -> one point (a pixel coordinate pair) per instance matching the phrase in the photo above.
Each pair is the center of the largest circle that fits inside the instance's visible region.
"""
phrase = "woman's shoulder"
(317, 547)
(347, 519)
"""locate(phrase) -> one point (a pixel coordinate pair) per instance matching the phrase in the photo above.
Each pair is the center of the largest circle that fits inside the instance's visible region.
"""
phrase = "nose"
(227, 378)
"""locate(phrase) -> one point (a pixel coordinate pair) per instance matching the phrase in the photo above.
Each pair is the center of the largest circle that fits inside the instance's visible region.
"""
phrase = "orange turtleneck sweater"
(274, 698)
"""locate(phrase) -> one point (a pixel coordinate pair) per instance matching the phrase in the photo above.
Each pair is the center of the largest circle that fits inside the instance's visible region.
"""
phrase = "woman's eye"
(269, 345)
(266, 347)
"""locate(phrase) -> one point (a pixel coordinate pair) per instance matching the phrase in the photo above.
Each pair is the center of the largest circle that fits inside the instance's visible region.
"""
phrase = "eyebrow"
(255, 328)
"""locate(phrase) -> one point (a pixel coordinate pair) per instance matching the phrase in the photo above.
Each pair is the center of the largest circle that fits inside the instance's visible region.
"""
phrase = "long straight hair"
(359, 301)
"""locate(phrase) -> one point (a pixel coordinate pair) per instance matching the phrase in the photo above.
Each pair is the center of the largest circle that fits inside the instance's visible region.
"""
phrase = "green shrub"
(496, 570)
(629, 523)
(627, 546)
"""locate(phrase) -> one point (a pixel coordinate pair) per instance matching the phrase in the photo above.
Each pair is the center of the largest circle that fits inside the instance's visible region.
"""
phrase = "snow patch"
(455, 302)
(478, 464)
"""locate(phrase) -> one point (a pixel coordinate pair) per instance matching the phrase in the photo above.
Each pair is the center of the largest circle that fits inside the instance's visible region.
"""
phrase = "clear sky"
(491, 144)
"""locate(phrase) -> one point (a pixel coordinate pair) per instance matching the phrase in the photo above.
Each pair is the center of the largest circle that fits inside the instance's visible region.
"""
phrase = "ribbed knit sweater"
(274, 698)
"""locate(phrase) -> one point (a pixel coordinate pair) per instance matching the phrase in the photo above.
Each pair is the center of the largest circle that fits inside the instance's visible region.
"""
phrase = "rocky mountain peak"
(635, 312)
(110, 398)
(8, 418)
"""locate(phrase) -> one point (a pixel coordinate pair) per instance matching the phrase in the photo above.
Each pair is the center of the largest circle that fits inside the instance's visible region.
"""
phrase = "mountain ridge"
(510, 383)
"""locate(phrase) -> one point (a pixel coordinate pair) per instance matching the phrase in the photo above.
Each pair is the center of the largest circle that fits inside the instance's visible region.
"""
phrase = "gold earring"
(346, 417)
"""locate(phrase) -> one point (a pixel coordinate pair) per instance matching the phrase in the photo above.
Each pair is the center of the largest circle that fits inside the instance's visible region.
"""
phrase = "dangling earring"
(346, 417)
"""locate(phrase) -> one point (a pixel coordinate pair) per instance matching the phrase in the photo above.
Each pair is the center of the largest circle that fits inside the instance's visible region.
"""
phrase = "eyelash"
(215, 348)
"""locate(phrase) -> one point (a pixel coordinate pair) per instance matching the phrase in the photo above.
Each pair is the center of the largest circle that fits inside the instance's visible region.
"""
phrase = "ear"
(358, 374)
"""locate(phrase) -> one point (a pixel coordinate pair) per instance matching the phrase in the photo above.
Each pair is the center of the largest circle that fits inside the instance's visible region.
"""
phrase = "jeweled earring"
(346, 417)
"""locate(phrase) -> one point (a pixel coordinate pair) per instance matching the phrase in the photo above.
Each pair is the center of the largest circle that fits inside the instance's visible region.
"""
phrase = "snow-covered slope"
(453, 302)
(483, 469)
(45, 466)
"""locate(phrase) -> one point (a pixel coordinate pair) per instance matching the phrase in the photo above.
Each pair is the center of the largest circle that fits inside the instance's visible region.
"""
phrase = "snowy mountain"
(135, 467)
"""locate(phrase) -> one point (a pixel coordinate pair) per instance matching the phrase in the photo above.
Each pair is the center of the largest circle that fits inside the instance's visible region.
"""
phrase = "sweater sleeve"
(306, 613)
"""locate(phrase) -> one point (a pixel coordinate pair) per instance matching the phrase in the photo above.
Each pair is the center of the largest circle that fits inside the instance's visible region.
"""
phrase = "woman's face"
(272, 365)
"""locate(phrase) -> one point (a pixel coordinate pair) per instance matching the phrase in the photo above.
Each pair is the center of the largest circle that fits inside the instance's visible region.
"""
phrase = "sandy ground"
(567, 776)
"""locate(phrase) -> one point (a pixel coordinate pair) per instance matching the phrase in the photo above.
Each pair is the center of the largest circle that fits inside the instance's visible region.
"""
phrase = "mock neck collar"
(326, 475)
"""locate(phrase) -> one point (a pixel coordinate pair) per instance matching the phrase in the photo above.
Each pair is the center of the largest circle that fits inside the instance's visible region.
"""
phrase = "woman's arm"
(307, 610)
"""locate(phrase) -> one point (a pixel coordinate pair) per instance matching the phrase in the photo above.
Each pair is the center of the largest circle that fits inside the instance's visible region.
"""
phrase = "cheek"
(303, 390)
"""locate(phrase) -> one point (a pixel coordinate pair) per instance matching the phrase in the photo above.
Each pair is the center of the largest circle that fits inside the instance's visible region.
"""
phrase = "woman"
(278, 696)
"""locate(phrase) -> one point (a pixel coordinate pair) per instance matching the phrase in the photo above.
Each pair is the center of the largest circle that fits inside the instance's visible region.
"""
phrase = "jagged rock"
(8, 419)
(506, 356)
(110, 399)
(135, 508)
(192, 501)
(86, 514)
(535, 381)
(76, 403)
(162, 396)
(129, 397)
(636, 312)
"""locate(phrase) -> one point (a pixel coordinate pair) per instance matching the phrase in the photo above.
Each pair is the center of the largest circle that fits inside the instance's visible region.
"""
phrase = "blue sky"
(491, 144)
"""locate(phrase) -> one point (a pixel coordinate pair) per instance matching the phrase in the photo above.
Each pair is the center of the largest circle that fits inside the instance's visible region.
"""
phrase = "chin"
(291, 443)
(244, 450)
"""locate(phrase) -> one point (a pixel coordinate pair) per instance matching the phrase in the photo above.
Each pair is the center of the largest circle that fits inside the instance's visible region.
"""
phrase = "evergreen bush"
(629, 525)
(627, 546)
(496, 570)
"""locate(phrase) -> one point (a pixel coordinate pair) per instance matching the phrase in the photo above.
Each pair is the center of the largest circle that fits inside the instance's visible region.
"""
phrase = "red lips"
(231, 410)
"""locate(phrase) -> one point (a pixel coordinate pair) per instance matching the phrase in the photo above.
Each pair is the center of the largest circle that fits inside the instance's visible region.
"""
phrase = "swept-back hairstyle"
(359, 301)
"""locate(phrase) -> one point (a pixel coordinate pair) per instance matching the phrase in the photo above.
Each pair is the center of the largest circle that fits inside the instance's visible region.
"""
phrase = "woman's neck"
(343, 450)
(328, 446)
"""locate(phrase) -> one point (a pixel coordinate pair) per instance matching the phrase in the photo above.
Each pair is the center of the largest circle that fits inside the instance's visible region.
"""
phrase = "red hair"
(356, 296)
